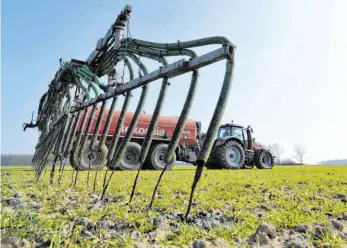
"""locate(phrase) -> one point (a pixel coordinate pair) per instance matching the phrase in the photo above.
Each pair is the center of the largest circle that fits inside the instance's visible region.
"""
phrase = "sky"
(290, 78)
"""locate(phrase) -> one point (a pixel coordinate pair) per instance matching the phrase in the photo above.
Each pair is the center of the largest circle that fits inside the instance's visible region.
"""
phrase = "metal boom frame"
(58, 118)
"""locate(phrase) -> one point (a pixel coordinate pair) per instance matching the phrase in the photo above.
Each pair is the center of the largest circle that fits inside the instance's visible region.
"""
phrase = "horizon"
(326, 162)
(289, 82)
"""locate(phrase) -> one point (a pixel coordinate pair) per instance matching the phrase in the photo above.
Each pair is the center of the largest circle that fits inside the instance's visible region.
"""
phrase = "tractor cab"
(228, 130)
(238, 132)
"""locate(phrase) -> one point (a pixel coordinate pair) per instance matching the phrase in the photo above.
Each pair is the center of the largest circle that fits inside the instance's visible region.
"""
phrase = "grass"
(284, 196)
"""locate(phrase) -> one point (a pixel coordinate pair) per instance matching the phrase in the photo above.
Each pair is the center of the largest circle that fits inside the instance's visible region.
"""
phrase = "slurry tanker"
(234, 147)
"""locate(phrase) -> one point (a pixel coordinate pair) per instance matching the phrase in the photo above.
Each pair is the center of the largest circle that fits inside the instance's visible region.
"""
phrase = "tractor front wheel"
(265, 160)
(230, 155)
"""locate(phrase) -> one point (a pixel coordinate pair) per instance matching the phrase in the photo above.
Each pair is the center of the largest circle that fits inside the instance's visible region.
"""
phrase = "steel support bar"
(112, 35)
(175, 69)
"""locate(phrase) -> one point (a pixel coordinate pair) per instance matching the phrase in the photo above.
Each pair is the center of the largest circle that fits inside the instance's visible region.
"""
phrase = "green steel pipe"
(72, 133)
(170, 152)
(111, 112)
(138, 62)
(60, 100)
(45, 154)
(119, 127)
(128, 64)
(34, 157)
(85, 136)
(91, 85)
(109, 56)
(84, 89)
(213, 127)
(69, 126)
(89, 75)
(130, 68)
(107, 59)
(60, 136)
(66, 110)
(182, 119)
(107, 67)
(68, 133)
(56, 149)
(85, 70)
(154, 121)
(160, 53)
(66, 127)
(79, 135)
(98, 124)
(139, 106)
(107, 123)
(116, 160)
(45, 136)
(121, 150)
(149, 135)
(217, 115)
(215, 40)
(123, 51)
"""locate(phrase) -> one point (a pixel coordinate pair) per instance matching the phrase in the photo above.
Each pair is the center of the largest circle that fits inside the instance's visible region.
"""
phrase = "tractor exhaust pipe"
(249, 138)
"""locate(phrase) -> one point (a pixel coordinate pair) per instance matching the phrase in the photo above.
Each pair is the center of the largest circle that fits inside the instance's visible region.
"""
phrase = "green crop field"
(288, 205)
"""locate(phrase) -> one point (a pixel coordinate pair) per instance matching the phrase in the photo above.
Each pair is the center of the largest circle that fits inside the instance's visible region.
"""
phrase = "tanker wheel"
(265, 160)
(130, 159)
(230, 155)
(90, 158)
(155, 160)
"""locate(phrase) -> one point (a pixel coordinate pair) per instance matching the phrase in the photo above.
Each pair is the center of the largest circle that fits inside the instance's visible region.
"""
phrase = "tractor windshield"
(223, 132)
(237, 132)
(230, 131)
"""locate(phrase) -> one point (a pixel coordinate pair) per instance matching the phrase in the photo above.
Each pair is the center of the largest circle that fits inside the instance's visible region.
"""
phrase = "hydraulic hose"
(160, 53)
(215, 40)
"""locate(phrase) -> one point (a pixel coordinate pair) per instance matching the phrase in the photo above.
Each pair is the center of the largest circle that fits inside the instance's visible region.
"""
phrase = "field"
(289, 206)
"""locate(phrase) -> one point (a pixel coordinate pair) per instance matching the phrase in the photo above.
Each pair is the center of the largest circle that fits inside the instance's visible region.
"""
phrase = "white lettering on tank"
(143, 131)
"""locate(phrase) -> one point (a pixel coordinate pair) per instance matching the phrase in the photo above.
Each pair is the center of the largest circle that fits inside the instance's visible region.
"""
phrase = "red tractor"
(234, 148)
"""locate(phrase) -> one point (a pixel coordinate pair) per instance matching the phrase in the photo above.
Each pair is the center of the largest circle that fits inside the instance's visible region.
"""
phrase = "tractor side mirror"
(253, 140)
(252, 129)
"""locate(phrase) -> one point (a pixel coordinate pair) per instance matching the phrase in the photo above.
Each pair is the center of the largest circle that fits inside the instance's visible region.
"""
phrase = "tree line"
(296, 159)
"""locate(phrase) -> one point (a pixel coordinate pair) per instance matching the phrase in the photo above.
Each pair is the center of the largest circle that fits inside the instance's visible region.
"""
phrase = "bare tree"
(288, 161)
(299, 153)
(278, 151)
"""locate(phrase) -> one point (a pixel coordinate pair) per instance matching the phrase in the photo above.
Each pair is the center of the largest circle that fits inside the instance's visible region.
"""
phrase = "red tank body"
(165, 128)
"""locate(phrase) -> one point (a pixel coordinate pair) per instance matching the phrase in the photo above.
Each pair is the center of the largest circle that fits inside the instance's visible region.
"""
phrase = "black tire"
(96, 159)
(130, 159)
(155, 158)
(230, 155)
(264, 160)
(248, 165)
(211, 165)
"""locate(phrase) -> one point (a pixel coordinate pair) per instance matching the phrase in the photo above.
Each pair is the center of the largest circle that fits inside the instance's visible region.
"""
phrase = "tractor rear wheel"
(155, 159)
(90, 158)
(230, 155)
(265, 160)
(130, 159)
